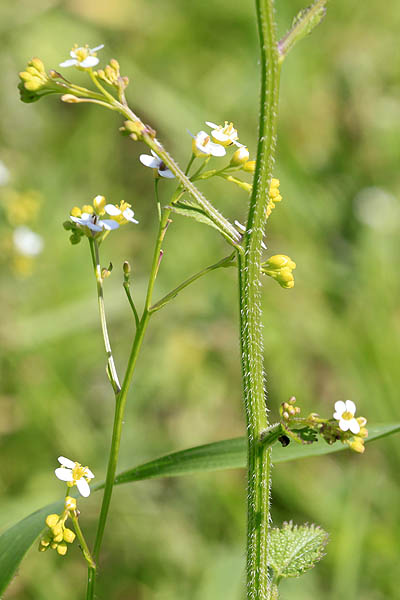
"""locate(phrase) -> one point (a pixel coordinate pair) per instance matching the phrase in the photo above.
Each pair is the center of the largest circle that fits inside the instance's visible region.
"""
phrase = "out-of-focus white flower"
(344, 413)
(83, 57)
(224, 134)
(154, 162)
(74, 474)
(27, 242)
(202, 145)
(243, 229)
(4, 174)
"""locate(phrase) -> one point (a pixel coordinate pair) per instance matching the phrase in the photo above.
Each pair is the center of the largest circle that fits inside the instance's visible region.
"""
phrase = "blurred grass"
(335, 335)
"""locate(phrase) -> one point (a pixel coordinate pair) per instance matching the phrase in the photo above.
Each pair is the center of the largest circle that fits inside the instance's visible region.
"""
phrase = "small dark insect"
(284, 440)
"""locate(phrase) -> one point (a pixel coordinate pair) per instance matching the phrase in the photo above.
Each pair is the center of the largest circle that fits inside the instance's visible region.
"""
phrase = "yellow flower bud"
(52, 520)
(250, 166)
(57, 529)
(33, 84)
(88, 208)
(69, 535)
(42, 548)
(76, 212)
(99, 203)
(240, 157)
(58, 538)
(62, 549)
(70, 503)
(363, 433)
(70, 99)
(38, 64)
(114, 64)
(357, 444)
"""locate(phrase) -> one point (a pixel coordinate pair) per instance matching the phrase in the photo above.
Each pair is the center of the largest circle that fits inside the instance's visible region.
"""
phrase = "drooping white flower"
(344, 413)
(202, 145)
(83, 57)
(93, 222)
(74, 474)
(154, 162)
(243, 229)
(27, 242)
(224, 134)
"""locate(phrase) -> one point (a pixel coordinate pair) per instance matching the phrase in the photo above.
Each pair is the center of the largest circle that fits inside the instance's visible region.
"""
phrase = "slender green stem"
(121, 403)
(131, 303)
(259, 456)
(112, 371)
(82, 541)
(224, 262)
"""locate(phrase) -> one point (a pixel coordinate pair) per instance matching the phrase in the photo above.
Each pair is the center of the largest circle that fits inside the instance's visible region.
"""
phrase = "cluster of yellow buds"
(356, 442)
(273, 195)
(35, 82)
(112, 76)
(280, 268)
(89, 220)
(58, 535)
(288, 410)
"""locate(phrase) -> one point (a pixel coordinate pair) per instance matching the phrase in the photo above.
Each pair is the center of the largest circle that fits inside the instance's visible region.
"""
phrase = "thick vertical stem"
(259, 457)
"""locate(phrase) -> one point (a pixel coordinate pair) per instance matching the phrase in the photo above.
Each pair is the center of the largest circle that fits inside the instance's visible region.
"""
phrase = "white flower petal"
(109, 224)
(69, 63)
(66, 462)
(216, 149)
(92, 226)
(340, 408)
(64, 474)
(128, 214)
(74, 51)
(221, 137)
(83, 487)
(149, 161)
(89, 473)
(97, 48)
(166, 173)
(112, 210)
(354, 426)
(351, 407)
(344, 424)
(212, 125)
(89, 61)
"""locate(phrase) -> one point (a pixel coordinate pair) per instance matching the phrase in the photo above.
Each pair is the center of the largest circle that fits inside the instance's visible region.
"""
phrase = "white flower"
(4, 174)
(27, 242)
(154, 162)
(202, 144)
(93, 222)
(74, 474)
(224, 134)
(344, 413)
(122, 214)
(83, 56)
(243, 229)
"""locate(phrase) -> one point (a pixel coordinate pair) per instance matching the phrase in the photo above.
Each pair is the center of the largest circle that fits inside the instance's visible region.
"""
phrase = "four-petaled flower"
(344, 413)
(92, 216)
(83, 57)
(154, 162)
(224, 134)
(202, 144)
(74, 474)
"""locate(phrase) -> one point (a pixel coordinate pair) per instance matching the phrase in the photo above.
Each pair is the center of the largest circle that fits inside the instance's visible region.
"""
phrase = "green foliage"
(295, 549)
(187, 209)
(303, 24)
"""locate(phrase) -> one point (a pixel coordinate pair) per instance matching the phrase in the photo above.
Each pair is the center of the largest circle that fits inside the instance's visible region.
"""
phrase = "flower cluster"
(58, 535)
(34, 81)
(273, 195)
(280, 268)
(344, 426)
(112, 75)
(95, 219)
(82, 57)
(74, 474)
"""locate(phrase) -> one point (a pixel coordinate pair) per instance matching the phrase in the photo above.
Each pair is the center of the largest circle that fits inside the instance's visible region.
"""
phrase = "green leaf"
(194, 212)
(303, 24)
(227, 454)
(295, 549)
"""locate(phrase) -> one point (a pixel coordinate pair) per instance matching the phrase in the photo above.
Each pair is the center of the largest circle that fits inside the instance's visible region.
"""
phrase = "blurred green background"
(334, 336)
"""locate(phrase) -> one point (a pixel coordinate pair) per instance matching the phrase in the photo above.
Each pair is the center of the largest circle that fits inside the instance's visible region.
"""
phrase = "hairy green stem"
(259, 455)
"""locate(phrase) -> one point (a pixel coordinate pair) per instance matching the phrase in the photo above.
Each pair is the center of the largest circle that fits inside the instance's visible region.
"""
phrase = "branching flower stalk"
(259, 456)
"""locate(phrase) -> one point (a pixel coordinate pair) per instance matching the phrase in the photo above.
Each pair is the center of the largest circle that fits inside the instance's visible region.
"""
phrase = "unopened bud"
(285, 415)
(38, 64)
(240, 157)
(291, 410)
(114, 64)
(69, 535)
(52, 520)
(126, 267)
(99, 203)
(70, 503)
(62, 549)
(105, 273)
(70, 99)
(250, 166)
